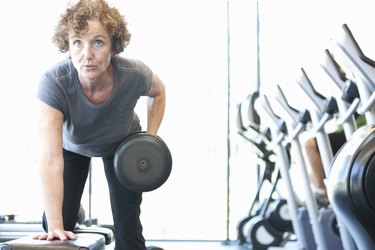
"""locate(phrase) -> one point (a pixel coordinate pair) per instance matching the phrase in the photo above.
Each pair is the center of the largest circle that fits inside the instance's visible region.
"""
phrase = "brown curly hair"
(75, 19)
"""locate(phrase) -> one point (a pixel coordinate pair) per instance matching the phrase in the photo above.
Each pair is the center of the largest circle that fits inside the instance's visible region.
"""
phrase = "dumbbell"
(142, 162)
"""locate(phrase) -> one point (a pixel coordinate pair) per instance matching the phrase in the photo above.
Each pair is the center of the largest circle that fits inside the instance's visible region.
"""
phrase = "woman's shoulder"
(128, 64)
(61, 69)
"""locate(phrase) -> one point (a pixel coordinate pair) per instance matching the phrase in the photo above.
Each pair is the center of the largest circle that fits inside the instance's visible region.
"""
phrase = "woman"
(86, 109)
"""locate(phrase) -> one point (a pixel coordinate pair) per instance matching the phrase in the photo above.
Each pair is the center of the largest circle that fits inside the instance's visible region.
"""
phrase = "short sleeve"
(50, 93)
(147, 72)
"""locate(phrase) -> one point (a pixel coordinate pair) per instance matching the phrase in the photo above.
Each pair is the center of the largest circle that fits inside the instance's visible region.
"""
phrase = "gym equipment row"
(142, 163)
(269, 217)
(347, 222)
(351, 190)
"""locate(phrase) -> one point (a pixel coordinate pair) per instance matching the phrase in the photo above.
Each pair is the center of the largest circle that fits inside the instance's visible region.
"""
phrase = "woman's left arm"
(155, 105)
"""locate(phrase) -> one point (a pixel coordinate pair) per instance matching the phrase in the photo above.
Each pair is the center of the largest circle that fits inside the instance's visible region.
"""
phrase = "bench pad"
(85, 241)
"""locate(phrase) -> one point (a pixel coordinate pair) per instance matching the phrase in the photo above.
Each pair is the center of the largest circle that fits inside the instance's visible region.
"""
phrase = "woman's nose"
(88, 51)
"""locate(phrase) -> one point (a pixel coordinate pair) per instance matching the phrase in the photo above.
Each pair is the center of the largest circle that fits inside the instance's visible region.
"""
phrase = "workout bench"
(89, 241)
(87, 238)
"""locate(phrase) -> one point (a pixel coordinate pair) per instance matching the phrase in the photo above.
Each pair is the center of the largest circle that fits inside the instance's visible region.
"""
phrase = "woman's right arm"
(51, 166)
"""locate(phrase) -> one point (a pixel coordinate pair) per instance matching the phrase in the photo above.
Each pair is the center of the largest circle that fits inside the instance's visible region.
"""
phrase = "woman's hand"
(56, 234)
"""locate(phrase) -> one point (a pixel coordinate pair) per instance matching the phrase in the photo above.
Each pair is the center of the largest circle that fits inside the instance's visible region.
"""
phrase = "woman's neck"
(98, 90)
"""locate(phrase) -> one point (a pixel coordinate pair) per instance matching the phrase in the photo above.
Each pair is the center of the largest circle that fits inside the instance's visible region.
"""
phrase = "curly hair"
(75, 19)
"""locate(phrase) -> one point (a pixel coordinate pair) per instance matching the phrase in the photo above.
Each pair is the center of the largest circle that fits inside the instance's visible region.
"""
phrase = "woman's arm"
(155, 105)
(51, 166)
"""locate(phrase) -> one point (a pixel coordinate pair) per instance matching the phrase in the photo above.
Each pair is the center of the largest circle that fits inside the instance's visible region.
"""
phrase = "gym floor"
(205, 245)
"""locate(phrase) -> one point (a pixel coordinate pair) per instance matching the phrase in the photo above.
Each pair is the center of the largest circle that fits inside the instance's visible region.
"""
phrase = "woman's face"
(91, 51)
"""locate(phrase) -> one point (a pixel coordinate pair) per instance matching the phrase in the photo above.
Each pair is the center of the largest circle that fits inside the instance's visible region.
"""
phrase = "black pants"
(125, 203)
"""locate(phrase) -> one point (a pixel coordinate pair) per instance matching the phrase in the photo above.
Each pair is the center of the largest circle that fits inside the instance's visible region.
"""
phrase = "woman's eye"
(77, 43)
(98, 43)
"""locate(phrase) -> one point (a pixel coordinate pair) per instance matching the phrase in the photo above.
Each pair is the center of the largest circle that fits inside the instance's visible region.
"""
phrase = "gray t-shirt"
(96, 130)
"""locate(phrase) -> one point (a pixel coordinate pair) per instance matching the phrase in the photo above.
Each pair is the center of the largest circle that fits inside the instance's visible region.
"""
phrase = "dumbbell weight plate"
(142, 162)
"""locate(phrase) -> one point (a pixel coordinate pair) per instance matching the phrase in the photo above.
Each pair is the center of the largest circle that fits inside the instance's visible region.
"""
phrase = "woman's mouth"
(89, 66)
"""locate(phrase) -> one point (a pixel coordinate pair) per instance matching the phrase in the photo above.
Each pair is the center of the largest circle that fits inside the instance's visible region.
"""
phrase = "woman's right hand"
(58, 233)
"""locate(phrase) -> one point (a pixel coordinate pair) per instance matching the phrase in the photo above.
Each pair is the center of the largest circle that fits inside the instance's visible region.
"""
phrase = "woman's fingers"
(56, 234)
(71, 235)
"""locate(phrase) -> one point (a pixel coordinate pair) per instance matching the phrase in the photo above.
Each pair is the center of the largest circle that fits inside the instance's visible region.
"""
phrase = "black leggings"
(125, 203)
